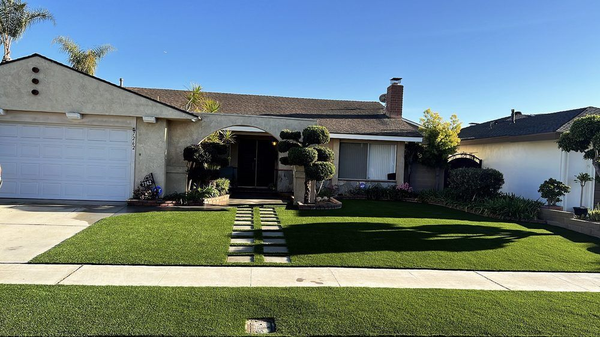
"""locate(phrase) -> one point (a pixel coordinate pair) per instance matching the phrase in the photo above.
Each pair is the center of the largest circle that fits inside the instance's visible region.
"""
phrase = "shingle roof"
(348, 117)
(526, 124)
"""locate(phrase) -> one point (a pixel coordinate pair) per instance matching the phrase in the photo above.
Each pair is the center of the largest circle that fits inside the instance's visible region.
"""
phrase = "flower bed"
(218, 201)
(331, 203)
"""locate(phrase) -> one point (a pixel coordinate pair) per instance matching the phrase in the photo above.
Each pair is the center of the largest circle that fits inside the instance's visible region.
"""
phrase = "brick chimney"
(394, 97)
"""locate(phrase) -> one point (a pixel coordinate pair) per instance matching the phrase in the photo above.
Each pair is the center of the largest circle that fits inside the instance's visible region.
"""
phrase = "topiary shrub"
(316, 160)
(290, 135)
(315, 135)
(287, 144)
(204, 161)
(320, 171)
(302, 156)
(475, 183)
(324, 153)
(552, 190)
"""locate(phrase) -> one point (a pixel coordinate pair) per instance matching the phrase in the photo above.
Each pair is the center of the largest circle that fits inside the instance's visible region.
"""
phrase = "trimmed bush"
(324, 154)
(290, 135)
(320, 171)
(287, 144)
(302, 156)
(475, 183)
(284, 161)
(316, 135)
(552, 190)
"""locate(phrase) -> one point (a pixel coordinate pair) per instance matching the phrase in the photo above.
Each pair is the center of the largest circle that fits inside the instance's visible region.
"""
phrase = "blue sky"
(477, 59)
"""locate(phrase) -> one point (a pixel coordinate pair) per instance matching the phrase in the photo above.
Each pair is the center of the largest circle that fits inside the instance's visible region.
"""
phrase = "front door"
(256, 162)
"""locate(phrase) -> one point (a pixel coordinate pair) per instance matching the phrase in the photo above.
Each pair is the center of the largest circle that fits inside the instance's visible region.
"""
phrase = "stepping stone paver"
(277, 259)
(242, 223)
(242, 228)
(240, 259)
(241, 241)
(272, 234)
(275, 249)
(271, 241)
(241, 249)
(242, 234)
(271, 228)
(269, 222)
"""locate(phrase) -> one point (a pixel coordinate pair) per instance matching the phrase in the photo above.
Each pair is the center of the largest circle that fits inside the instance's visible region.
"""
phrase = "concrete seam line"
(489, 279)
(334, 277)
(71, 273)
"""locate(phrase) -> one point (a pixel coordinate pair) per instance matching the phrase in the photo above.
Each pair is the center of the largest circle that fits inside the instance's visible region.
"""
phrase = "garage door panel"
(30, 150)
(9, 131)
(65, 162)
(9, 150)
(28, 131)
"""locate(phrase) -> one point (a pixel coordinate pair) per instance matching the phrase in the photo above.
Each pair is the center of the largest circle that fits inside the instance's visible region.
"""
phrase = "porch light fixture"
(195, 119)
(74, 115)
(148, 119)
(2, 112)
(274, 143)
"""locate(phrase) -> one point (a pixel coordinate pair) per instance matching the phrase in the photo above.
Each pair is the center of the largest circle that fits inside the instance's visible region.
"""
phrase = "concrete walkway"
(169, 276)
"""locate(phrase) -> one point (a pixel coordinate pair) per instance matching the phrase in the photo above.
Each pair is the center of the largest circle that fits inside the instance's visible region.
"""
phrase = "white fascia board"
(376, 137)
(244, 129)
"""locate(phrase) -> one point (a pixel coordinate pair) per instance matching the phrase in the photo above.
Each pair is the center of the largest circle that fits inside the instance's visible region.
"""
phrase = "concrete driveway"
(28, 229)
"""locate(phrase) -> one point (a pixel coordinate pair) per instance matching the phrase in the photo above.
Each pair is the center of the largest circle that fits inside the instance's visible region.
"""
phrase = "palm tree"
(83, 60)
(197, 102)
(15, 18)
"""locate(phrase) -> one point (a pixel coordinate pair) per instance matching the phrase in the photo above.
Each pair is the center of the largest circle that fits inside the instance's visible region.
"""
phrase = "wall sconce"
(149, 119)
(2, 112)
(74, 115)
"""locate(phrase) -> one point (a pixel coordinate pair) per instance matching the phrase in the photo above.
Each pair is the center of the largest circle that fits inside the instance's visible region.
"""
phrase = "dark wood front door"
(256, 162)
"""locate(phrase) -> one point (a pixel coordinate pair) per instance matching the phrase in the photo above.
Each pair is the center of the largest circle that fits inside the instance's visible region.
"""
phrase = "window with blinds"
(367, 161)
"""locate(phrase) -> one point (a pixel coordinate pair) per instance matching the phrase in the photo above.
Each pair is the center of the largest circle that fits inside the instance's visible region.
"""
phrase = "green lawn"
(84, 310)
(410, 235)
(156, 238)
(362, 234)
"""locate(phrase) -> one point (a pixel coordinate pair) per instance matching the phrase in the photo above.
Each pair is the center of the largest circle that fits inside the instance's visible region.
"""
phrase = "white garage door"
(65, 162)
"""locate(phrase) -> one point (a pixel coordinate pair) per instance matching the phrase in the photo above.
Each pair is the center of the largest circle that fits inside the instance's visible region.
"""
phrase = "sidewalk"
(171, 276)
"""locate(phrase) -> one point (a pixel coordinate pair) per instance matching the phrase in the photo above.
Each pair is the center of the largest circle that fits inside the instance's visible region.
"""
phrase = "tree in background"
(440, 140)
(584, 136)
(198, 102)
(305, 149)
(15, 18)
(83, 60)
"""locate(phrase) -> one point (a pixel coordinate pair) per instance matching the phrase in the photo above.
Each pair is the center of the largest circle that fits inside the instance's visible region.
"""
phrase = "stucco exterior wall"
(62, 89)
(151, 152)
(527, 164)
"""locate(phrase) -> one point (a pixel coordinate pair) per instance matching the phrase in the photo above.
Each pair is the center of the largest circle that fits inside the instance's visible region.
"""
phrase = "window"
(367, 161)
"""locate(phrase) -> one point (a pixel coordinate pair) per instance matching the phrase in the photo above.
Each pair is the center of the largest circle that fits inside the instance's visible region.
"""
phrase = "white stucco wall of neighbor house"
(525, 165)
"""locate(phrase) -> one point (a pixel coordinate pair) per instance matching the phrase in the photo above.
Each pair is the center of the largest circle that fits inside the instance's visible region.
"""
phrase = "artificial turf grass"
(155, 238)
(361, 234)
(411, 235)
(86, 310)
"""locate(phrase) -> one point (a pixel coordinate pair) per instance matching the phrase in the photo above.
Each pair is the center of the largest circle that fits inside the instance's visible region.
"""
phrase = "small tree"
(305, 149)
(83, 60)
(440, 140)
(582, 179)
(552, 190)
(584, 136)
(204, 161)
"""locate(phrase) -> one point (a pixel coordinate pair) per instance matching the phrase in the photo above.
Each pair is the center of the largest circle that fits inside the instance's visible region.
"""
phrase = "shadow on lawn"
(323, 238)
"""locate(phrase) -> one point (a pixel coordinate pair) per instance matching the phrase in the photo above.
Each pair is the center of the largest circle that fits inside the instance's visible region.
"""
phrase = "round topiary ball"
(324, 154)
(284, 161)
(290, 135)
(286, 144)
(320, 171)
(315, 135)
(302, 156)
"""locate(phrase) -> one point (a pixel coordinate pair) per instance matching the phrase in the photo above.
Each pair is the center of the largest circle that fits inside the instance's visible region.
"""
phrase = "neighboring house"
(68, 135)
(524, 149)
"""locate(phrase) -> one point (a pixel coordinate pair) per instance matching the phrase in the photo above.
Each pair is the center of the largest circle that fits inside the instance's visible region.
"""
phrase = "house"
(523, 147)
(68, 135)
